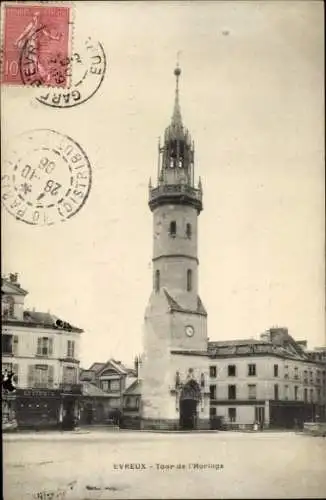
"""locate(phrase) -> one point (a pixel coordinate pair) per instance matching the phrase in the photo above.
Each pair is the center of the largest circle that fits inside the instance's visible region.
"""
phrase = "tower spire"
(176, 117)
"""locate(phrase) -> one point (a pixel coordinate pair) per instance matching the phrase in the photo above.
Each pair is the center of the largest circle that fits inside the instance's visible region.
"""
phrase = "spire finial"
(176, 117)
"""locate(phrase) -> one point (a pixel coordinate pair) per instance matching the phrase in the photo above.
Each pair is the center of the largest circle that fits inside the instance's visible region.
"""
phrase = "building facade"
(111, 378)
(43, 353)
(273, 381)
(174, 369)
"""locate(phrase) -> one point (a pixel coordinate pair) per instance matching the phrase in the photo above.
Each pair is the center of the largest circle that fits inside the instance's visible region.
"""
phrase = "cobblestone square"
(107, 465)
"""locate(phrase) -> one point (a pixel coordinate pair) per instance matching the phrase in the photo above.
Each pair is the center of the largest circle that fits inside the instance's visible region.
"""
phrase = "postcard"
(163, 250)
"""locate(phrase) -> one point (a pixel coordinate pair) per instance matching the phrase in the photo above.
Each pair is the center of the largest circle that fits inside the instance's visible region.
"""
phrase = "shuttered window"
(9, 344)
(15, 345)
(70, 348)
(69, 375)
(44, 346)
(40, 376)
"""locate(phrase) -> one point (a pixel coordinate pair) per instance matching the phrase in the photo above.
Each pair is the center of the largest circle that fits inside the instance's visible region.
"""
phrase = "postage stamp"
(86, 69)
(46, 178)
(32, 37)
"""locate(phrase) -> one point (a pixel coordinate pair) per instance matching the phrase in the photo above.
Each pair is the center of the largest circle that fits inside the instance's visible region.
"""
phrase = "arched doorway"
(189, 398)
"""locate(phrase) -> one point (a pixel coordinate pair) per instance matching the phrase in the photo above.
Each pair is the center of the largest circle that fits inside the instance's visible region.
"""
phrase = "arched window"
(157, 281)
(188, 230)
(189, 280)
(173, 229)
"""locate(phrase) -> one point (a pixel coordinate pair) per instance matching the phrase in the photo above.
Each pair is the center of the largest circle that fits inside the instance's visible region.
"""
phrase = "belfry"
(174, 370)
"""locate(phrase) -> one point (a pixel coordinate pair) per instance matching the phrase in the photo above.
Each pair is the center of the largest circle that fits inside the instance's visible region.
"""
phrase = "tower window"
(157, 281)
(189, 280)
(173, 229)
(188, 231)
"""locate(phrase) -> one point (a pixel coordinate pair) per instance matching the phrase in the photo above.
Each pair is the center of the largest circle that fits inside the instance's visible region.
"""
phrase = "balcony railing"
(175, 189)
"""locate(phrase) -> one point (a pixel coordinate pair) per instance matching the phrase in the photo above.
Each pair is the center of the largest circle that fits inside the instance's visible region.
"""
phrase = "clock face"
(189, 331)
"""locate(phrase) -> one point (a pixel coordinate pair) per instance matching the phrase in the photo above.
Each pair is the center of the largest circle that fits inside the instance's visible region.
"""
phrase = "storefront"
(47, 408)
(291, 414)
(69, 412)
(8, 413)
(94, 405)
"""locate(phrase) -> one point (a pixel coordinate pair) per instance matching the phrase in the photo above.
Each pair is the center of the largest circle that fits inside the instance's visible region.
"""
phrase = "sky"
(252, 96)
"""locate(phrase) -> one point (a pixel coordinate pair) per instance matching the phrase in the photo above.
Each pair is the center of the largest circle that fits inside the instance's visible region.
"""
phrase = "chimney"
(13, 277)
(137, 366)
(302, 344)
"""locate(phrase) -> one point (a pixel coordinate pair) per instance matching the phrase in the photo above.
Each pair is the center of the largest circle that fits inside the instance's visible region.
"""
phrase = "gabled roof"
(115, 365)
(92, 390)
(96, 367)
(40, 317)
(134, 388)
(174, 306)
(11, 288)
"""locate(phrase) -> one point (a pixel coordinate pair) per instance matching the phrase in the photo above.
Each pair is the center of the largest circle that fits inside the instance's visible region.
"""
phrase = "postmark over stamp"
(32, 35)
(46, 178)
(86, 68)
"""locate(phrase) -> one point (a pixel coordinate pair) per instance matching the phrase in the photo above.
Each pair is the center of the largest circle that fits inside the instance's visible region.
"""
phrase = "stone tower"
(174, 370)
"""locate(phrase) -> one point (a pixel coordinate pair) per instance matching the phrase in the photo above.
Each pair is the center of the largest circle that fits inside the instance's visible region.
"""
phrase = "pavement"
(103, 465)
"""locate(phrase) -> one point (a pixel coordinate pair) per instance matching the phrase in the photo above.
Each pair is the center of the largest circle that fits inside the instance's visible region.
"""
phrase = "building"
(131, 415)
(94, 405)
(174, 370)
(110, 379)
(273, 381)
(43, 352)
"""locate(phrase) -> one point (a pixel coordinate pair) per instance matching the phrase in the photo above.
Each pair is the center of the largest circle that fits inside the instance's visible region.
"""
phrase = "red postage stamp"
(36, 45)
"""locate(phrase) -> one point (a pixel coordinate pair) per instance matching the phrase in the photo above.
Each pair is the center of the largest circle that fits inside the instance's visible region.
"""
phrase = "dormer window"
(173, 229)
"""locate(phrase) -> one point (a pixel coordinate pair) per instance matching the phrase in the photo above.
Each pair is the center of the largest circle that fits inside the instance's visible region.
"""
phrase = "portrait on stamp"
(36, 44)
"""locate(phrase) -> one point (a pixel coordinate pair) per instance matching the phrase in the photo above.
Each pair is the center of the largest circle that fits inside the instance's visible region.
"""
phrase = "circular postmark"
(46, 178)
(84, 69)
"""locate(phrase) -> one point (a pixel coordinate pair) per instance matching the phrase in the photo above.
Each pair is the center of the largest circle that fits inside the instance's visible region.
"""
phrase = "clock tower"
(174, 369)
